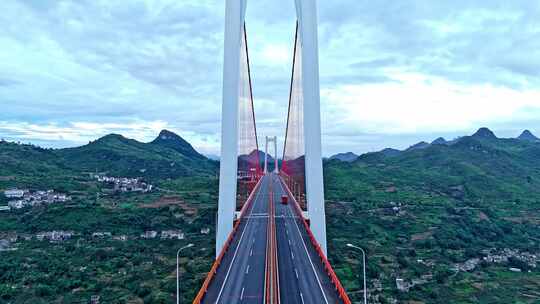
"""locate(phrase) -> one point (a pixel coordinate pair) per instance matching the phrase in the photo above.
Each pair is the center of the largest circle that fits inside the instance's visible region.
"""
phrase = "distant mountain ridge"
(390, 152)
(171, 140)
(528, 136)
(439, 141)
(167, 156)
(484, 133)
(418, 146)
(346, 157)
(480, 163)
(481, 134)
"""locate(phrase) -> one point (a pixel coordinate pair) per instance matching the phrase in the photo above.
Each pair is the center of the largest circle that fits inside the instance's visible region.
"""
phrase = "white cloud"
(276, 54)
(79, 132)
(422, 104)
(74, 70)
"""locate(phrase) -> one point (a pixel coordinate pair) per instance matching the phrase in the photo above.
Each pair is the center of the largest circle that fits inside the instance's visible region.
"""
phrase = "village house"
(149, 234)
(14, 193)
(95, 299)
(172, 234)
(124, 184)
(499, 257)
(122, 238)
(4, 245)
(30, 199)
(101, 234)
(55, 236)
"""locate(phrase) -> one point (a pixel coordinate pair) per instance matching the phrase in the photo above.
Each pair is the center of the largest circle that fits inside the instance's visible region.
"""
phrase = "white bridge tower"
(276, 168)
(306, 12)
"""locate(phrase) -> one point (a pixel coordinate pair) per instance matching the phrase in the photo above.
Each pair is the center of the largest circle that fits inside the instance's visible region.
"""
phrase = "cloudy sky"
(392, 72)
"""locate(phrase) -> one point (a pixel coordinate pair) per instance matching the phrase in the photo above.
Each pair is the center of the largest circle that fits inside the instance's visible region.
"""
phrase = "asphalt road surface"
(241, 275)
(302, 278)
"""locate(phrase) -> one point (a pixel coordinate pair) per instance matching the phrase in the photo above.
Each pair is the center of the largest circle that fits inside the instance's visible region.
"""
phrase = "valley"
(447, 222)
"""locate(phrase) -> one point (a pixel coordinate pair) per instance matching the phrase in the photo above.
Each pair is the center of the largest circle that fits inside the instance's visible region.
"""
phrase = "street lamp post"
(364, 262)
(178, 272)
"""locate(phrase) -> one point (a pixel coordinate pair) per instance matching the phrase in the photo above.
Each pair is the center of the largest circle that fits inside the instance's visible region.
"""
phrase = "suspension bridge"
(271, 230)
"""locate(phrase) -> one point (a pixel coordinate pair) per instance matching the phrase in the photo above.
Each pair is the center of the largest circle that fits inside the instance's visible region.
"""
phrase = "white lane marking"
(251, 252)
(302, 298)
(261, 216)
(296, 271)
(242, 294)
(310, 261)
(289, 240)
(292, 255)
(236, 251)
(247, 270)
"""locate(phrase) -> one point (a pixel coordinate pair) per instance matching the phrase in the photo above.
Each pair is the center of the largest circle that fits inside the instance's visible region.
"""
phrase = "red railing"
(210, 276)
(327, 267)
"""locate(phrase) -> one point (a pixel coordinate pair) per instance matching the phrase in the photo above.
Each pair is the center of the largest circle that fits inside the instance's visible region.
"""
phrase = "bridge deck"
(241, 275)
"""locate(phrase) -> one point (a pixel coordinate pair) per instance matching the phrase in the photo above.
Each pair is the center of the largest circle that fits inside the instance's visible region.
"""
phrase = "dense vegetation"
(419, 212)
(130, 270)
(416, 212)
(168, 156)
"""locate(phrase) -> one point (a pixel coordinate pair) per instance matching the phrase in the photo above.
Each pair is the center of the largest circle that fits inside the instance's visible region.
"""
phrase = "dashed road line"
(310, 261)
(236, 251)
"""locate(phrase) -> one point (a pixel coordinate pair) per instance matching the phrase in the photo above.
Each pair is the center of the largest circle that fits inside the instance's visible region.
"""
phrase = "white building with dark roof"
(14, 193)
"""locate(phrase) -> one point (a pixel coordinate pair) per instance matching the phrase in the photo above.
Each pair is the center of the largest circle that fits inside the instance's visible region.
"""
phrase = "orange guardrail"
(210, 276)
(329, 270)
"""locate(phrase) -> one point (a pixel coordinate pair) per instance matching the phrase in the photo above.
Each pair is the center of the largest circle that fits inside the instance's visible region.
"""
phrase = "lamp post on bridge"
(364, 263)
(178, 271)
(276, 168)
(266, 156)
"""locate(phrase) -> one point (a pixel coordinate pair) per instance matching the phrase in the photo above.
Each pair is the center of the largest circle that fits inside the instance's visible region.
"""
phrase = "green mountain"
(528, 136)
(486, 167)
(105, 246)
(346, 157)
(168, 156)
(420, 212)
(171, 140)
(17, 159)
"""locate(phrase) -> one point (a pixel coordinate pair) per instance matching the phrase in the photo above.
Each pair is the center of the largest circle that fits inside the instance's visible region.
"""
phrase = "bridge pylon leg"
(234, 30)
